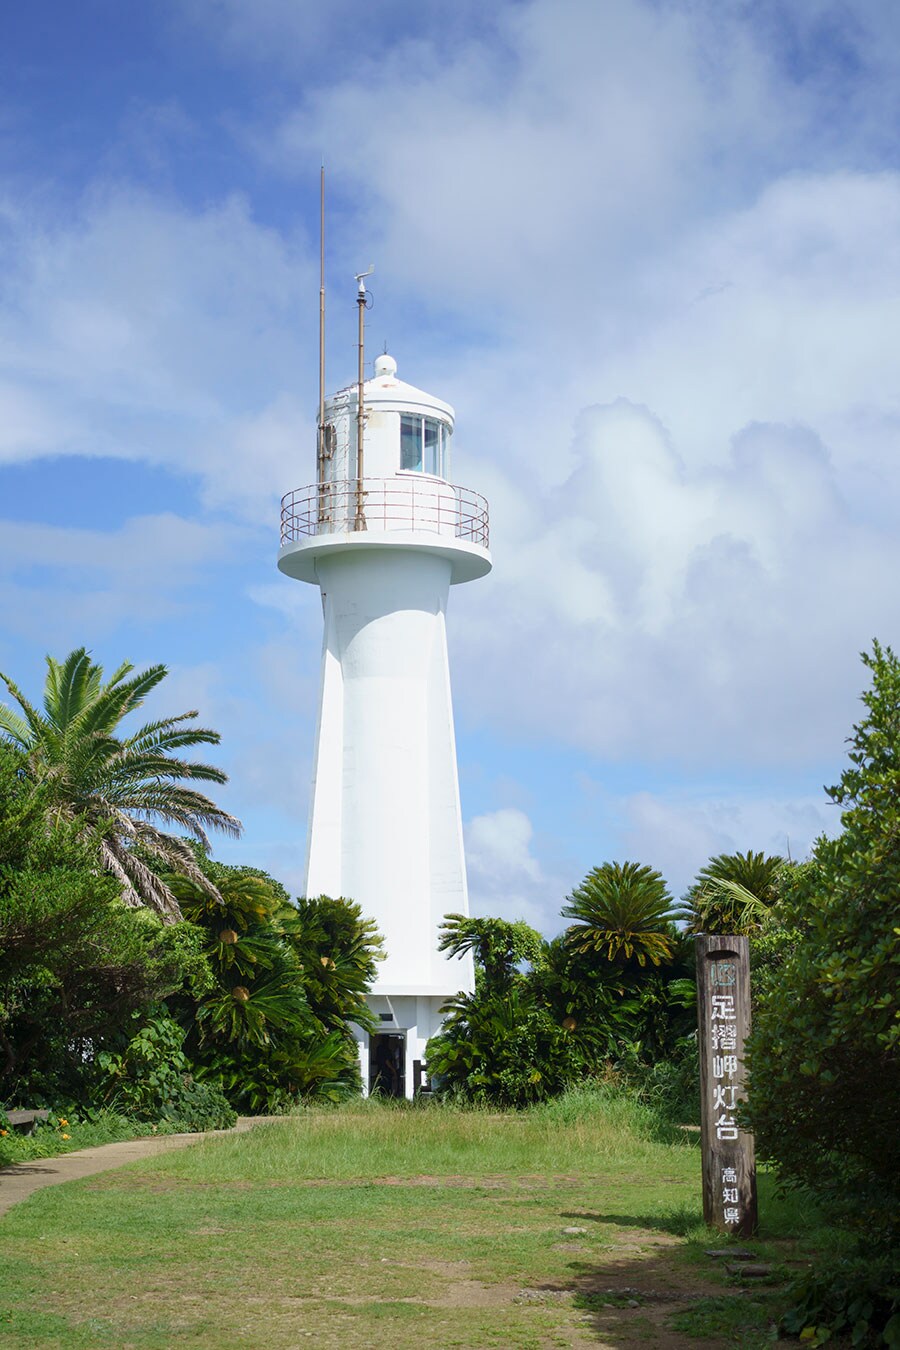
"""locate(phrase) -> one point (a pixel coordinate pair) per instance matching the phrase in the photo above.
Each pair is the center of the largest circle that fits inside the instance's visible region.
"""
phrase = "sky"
(650, 252)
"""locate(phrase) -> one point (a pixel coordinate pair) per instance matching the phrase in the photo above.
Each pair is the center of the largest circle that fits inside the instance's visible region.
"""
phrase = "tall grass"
(582, 1131)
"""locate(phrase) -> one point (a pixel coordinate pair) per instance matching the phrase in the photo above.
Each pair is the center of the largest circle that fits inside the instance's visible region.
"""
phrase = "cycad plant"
(733, 893)
(338, 950)
(288, 980)
(125, 788)
(624, 911)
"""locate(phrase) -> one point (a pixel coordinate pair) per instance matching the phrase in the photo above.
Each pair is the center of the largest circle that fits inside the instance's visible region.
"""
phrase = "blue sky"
(649, 251)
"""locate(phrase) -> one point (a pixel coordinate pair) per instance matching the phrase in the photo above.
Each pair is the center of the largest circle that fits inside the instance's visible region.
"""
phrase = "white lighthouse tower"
(384, 534)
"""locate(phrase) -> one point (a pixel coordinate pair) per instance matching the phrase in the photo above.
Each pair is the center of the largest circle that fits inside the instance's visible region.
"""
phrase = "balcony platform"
(408, 512)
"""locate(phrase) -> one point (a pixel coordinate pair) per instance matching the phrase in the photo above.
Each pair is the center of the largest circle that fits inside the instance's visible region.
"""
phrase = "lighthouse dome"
(389, 393)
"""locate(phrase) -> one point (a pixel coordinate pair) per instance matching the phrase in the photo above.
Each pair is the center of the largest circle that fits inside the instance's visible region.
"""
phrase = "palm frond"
(116, 700)
(623, 910)
(125, 764)
(32, 716)
(127, 787)
(69, 686)
(169, 733)
(140, 884)
(15, 727)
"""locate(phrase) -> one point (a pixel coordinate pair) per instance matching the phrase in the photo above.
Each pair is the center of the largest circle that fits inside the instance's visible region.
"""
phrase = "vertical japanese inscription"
(723, 1009)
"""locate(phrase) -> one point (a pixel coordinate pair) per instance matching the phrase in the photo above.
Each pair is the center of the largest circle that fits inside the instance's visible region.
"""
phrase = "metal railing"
(426, 504)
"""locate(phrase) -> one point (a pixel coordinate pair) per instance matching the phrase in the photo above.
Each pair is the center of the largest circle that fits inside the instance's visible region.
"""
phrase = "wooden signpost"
(723, 1010)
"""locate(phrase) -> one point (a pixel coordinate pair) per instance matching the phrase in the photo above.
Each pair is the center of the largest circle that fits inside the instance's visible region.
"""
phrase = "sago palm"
(624, 911)
(733, 893)
(124, 788)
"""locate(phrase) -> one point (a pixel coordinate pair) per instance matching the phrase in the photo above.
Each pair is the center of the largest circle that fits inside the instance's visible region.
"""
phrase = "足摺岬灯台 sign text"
(723, 1010)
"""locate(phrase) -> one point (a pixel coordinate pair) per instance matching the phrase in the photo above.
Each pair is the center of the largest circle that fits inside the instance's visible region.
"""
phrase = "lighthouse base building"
(384, 546)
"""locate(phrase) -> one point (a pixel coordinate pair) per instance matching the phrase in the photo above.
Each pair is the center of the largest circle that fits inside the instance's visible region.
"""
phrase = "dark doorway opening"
(387, 1064)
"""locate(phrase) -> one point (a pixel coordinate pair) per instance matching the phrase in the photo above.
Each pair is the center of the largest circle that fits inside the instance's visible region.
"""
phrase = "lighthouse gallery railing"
(387, 504)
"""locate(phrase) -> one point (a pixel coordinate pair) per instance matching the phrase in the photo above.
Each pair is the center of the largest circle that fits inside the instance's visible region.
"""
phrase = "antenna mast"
(361, 298)
(320, 444)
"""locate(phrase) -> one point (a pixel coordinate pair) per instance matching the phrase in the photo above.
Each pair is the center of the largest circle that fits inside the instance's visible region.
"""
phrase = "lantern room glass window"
(424, 445)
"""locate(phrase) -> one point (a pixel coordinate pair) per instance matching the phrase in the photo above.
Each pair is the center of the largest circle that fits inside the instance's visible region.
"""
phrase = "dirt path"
(23, 1179)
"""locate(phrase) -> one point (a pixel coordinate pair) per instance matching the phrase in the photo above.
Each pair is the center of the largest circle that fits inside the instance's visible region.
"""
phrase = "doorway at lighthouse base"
(392, 1057)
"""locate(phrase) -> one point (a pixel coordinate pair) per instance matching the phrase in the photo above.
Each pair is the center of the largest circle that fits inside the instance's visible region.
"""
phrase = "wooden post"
(723, 1011)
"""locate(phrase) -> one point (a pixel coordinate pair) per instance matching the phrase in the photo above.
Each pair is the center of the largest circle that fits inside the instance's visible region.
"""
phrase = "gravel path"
(23, 1179)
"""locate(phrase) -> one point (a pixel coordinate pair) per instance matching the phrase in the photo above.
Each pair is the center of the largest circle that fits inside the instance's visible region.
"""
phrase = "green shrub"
(824, 1081)
(274, 1026)
(75, 960)
(670, 1086)
(153, 1080)
(853, 1298)
(502, 1047)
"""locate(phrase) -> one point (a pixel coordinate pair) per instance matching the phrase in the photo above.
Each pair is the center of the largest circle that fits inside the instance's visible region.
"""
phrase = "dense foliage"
(288, 981)
(546, 1015)
(825, 1051)
(75, 961)
(623, 911)
(152, 1079)
(824, 1085)
(137, 975)
(734, 893)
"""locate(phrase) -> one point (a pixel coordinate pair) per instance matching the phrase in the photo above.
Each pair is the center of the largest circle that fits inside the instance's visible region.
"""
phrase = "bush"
(824, 1080)
(854, 1298)
(75, 960)
(670, 1086)
(503, 1048)
(273, 1028)
(153, 1080)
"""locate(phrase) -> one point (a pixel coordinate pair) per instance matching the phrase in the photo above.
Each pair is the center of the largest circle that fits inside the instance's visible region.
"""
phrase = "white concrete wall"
(419, 1018)
(385, 825)
(394, 498)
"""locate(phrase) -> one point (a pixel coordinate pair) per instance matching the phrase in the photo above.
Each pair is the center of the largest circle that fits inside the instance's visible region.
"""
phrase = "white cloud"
(709, 614)
(781, 312)
(66, 584)
(140, 330)
(696, 580)
(677, 832)
(506, 880)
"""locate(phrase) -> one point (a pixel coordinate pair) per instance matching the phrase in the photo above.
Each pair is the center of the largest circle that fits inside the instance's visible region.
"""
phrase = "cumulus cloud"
(142, 330)
(506, 880)
(699, 615)
(778, 313)
(676, 832)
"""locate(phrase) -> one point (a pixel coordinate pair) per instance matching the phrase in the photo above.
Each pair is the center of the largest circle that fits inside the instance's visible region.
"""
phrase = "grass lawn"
(378, 1226)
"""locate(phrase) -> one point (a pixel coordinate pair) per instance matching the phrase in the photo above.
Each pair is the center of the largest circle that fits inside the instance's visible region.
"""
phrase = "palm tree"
(733, 893)
(120, 787)
(623, 909)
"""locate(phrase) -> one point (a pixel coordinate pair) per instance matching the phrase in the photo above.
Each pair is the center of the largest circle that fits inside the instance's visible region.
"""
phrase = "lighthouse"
(384, 533)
